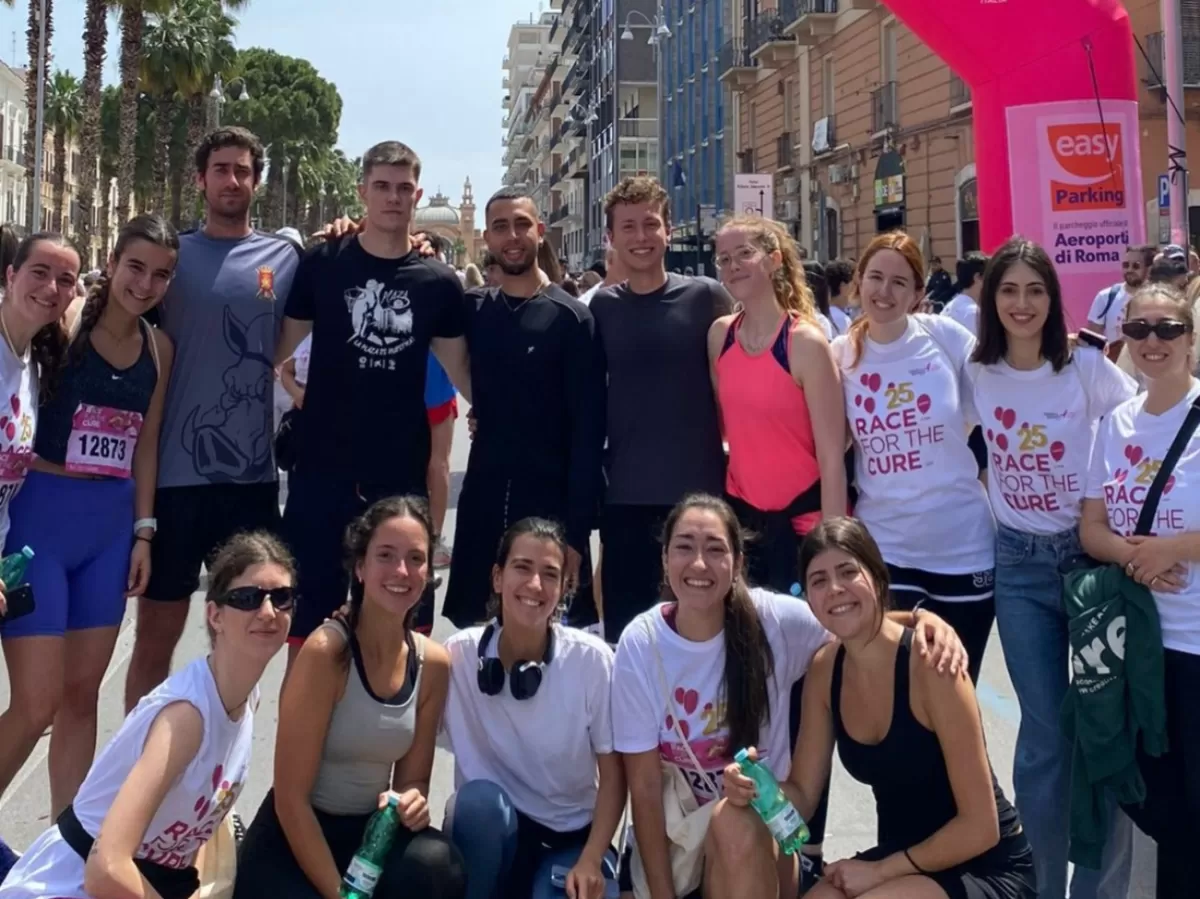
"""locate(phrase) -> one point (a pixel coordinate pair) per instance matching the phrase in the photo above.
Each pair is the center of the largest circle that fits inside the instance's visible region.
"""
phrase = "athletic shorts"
(81, 532)
(194, 521)
(444, 412)
(314, 526)
(1003, 872)
(965, 601)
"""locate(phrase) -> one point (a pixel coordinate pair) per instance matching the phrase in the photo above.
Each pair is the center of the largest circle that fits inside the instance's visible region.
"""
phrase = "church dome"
(437, 212)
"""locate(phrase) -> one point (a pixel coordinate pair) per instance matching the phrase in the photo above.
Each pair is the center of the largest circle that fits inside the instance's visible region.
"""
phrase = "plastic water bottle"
(12, 568)
(773, 806)
(366, 867)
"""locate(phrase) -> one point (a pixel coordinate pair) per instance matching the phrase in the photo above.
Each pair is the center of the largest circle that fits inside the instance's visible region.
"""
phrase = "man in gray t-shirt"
(216, 468)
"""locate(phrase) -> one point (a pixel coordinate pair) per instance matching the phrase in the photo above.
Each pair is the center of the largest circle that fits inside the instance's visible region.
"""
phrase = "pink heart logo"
(1119, 475)
(998, 414)
(865, 380)
(923, 403)
(874, 381)
(670, 722)
(1010, 418)
(858, 399)
(10, 430)
(15, 402)
(685, 730)
(216, 776)
(869, 404)
(690, 700)
(1057, 450)
(990, 435)
(1133, 454)
(680, 693)
(1002, 441)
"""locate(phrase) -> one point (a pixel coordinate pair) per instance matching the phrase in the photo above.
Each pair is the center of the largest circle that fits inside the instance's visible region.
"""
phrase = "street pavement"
(24, 809)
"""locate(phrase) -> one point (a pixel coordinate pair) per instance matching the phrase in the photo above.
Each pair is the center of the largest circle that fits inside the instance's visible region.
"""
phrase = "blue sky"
(425, 73)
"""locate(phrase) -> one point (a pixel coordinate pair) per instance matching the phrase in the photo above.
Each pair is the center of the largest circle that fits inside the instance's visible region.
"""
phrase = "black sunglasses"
(250, 599)
(1163, 329)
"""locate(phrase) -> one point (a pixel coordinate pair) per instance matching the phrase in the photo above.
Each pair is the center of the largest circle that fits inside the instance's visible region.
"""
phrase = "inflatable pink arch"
(1054, 96)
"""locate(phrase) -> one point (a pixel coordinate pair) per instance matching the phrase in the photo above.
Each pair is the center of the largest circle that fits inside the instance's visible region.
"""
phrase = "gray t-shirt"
(664, 439)
(223, 312)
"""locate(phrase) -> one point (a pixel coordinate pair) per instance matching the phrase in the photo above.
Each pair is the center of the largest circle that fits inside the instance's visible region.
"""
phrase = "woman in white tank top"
(164, 783)
(358, 721)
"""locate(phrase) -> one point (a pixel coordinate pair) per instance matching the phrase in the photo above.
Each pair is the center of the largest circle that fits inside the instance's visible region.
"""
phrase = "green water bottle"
(12, 568)
(773, 806)
(366, 867)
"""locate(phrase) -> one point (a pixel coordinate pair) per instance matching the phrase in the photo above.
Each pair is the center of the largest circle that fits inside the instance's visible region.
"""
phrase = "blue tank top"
(91, 380)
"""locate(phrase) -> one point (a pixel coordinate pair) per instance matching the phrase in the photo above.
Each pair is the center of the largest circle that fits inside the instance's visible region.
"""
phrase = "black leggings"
(421, 864)
(1172, 806)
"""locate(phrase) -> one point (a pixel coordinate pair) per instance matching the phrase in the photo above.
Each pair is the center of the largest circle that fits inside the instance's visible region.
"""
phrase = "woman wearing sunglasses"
(1041, 402)
(1130, 447)
(164, 783)
(522, 681)
(358, 723)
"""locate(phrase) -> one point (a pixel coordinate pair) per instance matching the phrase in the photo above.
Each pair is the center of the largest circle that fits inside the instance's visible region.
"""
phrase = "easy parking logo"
(1089, 163)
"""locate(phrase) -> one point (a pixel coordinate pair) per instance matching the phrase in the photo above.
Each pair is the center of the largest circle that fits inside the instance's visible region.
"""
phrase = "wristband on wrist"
(916, 867)
(151, 523)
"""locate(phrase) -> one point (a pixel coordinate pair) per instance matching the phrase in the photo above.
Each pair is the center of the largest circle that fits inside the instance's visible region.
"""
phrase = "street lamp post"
(217, 95)
(40, 126)
(660, 32)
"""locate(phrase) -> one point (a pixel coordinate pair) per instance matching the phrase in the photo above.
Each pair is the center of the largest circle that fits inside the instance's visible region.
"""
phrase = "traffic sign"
(1164, 191)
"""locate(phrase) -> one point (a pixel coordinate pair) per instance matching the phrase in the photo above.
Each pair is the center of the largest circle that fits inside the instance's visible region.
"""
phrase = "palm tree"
(110, 146)
(64, 113)
(214, 55)
(168, 66)
(32, 32)
(95, 38)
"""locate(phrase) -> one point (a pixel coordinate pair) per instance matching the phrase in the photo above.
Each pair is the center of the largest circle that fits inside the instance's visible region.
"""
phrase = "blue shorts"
(81, 533)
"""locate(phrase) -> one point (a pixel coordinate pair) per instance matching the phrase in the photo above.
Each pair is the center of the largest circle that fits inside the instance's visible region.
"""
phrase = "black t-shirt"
(364, 416)
(664, 436)
(537, 382)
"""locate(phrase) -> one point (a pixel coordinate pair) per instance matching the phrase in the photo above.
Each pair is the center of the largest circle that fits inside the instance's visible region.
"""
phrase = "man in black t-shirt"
(375, 308)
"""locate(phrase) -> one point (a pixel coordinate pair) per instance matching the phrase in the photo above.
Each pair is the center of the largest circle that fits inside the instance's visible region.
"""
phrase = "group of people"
(717, 433)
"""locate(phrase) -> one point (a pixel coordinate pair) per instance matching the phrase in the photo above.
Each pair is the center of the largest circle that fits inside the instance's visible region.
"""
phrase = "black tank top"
(906, 770)
(93, 380)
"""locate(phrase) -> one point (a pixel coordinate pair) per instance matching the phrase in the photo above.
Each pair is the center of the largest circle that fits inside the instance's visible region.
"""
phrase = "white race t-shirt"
(694, 674)
(909, 407)
(193, 808)
(1115, 316)
(1130, 447)
(965, 311)
(18, 421)
(826, 325)
(541, 751)
(1039, 426)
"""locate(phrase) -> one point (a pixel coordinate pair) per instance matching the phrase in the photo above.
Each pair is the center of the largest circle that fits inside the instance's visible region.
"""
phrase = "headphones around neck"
(523, 679)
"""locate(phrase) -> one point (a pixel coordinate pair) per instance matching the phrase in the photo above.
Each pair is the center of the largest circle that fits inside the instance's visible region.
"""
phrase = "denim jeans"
(1033, 633)
(483, 823)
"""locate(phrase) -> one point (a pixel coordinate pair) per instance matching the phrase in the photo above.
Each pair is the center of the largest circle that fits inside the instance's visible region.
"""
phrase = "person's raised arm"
(817, 374)
(171, 744)
(410, 778)
(313, 688)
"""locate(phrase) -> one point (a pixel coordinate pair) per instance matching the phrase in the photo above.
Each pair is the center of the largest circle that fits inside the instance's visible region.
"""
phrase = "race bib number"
(14, 465)
(102, 441)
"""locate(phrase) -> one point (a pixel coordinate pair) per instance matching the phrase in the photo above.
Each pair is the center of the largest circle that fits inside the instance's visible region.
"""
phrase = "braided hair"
(150, 227)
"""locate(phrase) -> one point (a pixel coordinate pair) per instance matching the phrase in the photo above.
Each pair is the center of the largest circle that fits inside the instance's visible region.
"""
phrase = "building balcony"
(637, 127)
(558, 215)
(884, 112)
(809, 21)
(735, 67)
(504, 83)
(769, 46)
(960, 94)
(1153, 74)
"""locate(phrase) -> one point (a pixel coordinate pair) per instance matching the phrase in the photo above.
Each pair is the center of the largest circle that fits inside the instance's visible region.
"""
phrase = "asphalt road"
(24, 809)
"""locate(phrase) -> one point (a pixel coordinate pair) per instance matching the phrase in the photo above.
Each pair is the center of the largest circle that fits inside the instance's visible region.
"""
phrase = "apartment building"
(529, 54)
(696, 154)
(13, 115)
(864, 129)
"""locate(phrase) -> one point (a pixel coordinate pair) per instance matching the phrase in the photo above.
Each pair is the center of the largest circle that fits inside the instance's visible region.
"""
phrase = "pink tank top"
(772, 456)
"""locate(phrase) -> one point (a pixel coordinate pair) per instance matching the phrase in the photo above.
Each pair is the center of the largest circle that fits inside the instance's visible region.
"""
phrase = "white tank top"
(190, 813)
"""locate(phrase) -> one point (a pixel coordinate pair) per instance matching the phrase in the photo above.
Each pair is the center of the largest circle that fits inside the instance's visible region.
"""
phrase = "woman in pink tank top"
(779, 394)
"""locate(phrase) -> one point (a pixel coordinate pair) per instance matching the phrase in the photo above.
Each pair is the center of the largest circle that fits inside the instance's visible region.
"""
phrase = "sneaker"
(812, 869)
(441, 554)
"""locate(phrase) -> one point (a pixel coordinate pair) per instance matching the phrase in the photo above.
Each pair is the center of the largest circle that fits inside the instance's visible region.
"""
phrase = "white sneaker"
(441, 554)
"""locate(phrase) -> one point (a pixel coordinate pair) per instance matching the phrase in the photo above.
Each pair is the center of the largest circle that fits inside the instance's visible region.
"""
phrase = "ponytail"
(93, 308)
(48, 349)
(858, 339)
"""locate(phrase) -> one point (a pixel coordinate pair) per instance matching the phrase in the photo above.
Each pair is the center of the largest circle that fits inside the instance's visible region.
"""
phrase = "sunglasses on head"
(1163, 329)
(250, 599)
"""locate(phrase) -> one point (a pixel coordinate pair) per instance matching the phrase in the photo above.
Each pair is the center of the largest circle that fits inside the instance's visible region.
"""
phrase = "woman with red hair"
(908, 401)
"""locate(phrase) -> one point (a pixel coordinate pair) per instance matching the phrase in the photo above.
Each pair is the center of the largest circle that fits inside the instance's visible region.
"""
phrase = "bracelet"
(916, 609)
(151, 523)
(916, 867)
(140, 537)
